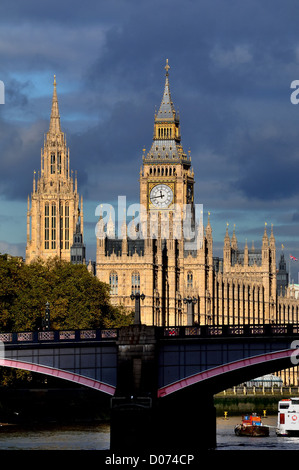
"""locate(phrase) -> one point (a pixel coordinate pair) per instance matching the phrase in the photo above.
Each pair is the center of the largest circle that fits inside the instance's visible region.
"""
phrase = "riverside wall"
(254, 399)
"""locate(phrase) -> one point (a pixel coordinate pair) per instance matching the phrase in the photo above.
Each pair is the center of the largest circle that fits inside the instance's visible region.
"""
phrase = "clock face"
(161, 196)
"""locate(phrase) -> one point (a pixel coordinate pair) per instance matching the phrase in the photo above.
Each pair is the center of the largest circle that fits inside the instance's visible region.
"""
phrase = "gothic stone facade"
(53, 208)
(184, 285)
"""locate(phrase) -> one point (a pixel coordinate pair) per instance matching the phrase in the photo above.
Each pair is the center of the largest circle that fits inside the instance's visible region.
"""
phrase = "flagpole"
(293, 259)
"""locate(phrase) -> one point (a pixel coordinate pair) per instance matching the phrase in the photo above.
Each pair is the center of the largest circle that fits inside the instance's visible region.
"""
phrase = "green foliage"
(14, 377)
(77, 299)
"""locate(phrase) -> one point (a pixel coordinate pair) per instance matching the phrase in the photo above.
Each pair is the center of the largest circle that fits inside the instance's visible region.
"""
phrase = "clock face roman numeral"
(161, 196)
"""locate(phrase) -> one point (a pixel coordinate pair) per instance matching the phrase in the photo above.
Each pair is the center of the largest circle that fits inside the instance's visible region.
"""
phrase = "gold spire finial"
(54, 80)
(167, 67)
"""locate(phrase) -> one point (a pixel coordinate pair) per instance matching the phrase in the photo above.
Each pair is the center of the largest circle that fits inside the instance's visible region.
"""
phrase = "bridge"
(161, 380)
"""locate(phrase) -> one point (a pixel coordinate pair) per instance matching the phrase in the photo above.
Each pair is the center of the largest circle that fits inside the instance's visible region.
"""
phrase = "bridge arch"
(233, 373)
(58, 373)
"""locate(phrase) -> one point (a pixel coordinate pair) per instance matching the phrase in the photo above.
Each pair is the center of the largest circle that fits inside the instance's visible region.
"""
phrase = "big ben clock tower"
(152, 258)
(166, 179)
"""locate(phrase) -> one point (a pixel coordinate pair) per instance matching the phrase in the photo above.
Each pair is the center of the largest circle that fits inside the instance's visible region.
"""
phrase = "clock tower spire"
(166, 176)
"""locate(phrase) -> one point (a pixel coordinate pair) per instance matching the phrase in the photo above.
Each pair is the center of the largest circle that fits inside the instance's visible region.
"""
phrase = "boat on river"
(288, 417)
(252, 426)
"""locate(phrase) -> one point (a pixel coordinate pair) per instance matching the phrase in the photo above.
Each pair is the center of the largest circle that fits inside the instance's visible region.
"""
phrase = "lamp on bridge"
(137, 297)
(190, 309)
(46, 321)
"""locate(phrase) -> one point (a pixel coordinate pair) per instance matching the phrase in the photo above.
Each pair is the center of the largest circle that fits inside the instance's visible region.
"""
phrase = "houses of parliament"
(183, 283)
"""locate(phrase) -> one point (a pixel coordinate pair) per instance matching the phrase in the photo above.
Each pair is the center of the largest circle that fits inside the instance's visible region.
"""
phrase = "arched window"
(61, 224)
(53, 234)
(67, 226)
(135, 283)
(113, 281)
(59, 163)
(46, 226)
(52, 163)
(189, 280)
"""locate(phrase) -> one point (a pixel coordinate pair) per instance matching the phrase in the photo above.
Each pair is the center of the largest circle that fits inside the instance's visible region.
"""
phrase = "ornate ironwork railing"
(208, 331)
(59, 335)
(203, 331)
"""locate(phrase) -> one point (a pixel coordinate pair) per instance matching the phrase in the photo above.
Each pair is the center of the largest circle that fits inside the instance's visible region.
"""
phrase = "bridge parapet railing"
(203, 331)
(6, 337)
(59, 336)
(46, 335)
(231, 330)
(173, 331)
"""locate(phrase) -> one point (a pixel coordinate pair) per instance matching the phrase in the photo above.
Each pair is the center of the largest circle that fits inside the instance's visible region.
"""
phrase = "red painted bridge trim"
(62, 374)
(192, 379)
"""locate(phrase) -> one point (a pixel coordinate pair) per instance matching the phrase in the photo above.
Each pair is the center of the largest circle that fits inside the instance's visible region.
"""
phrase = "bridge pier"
(137, 362)
(140, 422)
(132, 417)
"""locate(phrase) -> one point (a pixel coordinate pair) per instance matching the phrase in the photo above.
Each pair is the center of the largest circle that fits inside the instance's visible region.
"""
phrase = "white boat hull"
(288, 417)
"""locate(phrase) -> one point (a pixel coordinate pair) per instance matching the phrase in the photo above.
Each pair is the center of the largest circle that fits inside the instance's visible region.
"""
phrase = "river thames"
(97, 437)
(227, 440)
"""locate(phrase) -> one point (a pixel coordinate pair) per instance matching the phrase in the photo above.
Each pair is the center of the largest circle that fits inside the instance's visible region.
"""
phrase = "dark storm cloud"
(231, 67)
(220, 54)
(230, 81)
(76, 12)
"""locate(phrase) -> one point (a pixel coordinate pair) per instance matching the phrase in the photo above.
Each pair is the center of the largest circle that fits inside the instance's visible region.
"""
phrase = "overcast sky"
(232, 63)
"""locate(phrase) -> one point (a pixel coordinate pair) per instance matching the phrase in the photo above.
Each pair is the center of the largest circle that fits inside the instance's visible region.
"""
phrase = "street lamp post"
(137, 297)
(190, 309)
(47, 317)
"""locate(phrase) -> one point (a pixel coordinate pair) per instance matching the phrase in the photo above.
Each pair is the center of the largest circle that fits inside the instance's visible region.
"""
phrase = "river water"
(97, 437)
(75, 437)
(227, 440)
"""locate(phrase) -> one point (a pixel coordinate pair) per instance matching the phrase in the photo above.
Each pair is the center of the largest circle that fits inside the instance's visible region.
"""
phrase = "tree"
(77, 299)
(10, 269)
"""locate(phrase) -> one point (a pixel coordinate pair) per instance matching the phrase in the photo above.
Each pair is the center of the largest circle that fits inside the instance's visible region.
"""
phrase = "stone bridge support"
(142, 422)
(132, 420)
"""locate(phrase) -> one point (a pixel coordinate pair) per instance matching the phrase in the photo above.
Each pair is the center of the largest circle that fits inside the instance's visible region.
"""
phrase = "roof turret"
(166, 111)
(167, 137)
